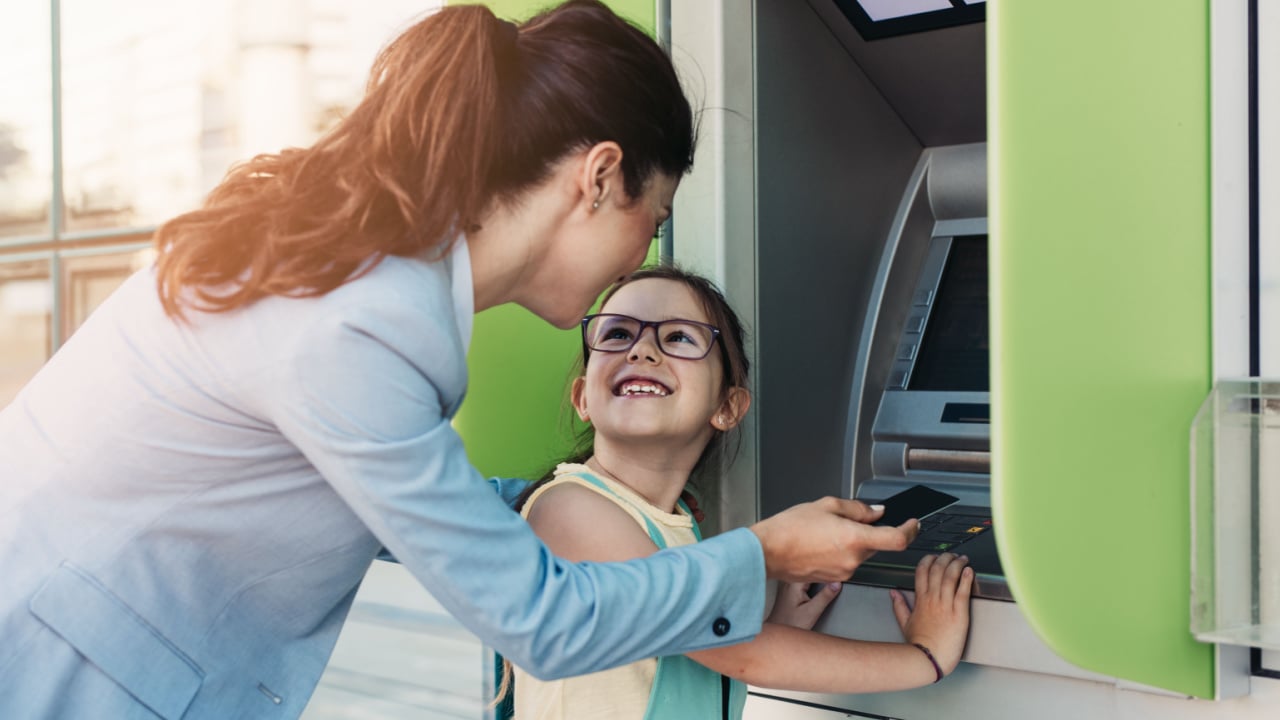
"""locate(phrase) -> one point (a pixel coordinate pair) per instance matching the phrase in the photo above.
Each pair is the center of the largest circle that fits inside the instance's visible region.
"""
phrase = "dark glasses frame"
(657, 335)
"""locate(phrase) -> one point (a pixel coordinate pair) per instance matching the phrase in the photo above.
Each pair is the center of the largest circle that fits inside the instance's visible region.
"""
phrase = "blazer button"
(720, 627)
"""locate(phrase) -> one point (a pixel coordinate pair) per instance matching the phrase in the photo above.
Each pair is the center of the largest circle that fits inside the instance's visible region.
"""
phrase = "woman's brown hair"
(461, 111)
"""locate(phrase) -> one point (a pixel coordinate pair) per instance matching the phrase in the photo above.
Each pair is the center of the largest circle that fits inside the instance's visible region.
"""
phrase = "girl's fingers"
(792, 593)
(817, 604)
(901, 610)
(934, 573)
(922, 572)
(951, 573)
(964, 589)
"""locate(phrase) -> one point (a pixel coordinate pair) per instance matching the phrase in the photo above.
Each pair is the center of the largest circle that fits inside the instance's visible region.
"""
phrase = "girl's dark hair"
(732, 353)
(462, 110)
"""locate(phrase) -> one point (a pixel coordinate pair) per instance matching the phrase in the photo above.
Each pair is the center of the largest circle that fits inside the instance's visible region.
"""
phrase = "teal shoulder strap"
(697, 531)
(684, 690)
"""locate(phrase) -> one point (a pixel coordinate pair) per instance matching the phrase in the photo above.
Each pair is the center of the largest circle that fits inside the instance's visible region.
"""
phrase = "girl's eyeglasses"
(612, 333)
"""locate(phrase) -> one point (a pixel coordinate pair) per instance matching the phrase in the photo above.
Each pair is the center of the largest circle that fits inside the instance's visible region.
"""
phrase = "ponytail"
(393, 178)
(460, 111)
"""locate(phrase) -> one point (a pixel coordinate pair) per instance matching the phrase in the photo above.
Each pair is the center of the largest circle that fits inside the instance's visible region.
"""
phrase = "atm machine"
(853, 236)
(918, 411)
(919, 405)
(842, 197)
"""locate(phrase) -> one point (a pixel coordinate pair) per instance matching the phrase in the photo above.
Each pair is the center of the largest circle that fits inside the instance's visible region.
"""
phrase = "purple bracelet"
(936, 667)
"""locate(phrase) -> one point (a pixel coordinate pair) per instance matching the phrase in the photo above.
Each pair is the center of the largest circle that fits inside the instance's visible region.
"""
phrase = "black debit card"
(917, 502)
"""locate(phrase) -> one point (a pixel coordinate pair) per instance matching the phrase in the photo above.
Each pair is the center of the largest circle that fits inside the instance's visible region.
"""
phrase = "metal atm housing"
(919, 403)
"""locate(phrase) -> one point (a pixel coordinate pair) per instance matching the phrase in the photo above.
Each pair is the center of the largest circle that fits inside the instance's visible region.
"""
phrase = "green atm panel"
(1101, 339)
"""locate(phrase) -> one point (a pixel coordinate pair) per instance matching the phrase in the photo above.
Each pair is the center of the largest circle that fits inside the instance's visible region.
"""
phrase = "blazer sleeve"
(508, 489)
(361, 403)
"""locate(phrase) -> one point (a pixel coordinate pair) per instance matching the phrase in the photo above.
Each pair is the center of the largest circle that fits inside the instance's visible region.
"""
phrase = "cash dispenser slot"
(960, 461)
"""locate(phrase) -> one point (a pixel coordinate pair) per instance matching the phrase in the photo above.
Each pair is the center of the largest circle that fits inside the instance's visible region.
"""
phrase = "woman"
(194, 485)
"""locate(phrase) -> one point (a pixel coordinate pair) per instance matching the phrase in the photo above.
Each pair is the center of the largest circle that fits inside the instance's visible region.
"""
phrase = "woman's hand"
(827, 539)
(794, 607)
(940, 620)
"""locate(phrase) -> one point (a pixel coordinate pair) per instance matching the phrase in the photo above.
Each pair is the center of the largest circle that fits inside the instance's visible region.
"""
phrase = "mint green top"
(682, 689)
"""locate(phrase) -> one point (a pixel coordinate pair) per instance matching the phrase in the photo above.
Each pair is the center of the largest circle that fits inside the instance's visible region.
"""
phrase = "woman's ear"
(578, 396)
(601, 173)
(736, 403)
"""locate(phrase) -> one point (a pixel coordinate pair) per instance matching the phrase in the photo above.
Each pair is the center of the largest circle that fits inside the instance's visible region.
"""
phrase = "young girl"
(664, 381)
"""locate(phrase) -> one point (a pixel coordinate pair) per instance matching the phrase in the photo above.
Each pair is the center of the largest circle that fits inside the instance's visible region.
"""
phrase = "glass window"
(132, 75)
(26, 322)
(160, 97)
(26, 135)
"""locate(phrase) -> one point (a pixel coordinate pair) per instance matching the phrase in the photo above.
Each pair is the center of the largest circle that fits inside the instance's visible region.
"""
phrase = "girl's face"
(643, 394)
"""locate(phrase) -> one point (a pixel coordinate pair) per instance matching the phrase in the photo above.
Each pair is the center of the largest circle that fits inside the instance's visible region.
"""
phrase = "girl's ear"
(578, 396)
(736, 403)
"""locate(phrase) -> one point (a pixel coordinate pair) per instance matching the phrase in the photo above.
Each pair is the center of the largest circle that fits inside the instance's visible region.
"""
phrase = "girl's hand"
(940, 620)
(794, 607)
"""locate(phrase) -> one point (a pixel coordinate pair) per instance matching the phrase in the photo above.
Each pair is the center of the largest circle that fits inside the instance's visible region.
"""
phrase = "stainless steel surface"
(935, 80)
(832, 157)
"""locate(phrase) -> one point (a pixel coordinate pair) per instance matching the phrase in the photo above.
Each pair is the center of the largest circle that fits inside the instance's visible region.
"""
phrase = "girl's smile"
(632, 386)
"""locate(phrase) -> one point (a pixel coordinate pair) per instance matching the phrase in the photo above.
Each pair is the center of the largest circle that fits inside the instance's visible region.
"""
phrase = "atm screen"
(954, 352)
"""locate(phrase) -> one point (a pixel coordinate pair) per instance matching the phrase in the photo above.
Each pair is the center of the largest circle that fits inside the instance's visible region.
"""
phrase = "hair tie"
(510, 32)
(504, 38)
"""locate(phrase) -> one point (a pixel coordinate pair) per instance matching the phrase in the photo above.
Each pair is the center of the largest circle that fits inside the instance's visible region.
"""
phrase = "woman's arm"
(369, 406)
(578, 524)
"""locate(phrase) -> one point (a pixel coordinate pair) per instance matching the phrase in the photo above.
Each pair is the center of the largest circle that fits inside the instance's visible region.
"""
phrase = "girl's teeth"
(642, 389)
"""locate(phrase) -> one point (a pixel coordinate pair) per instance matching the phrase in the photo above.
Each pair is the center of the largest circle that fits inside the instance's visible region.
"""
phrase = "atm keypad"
(943, 532)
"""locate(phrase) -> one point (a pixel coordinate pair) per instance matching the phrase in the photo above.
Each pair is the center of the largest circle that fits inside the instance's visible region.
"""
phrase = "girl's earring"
(595, 205)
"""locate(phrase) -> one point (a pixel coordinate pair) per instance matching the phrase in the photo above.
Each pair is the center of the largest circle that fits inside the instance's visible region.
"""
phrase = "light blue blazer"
(187, 510)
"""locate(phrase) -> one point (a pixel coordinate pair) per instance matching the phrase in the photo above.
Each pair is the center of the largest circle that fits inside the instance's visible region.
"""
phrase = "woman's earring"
(595, 205)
